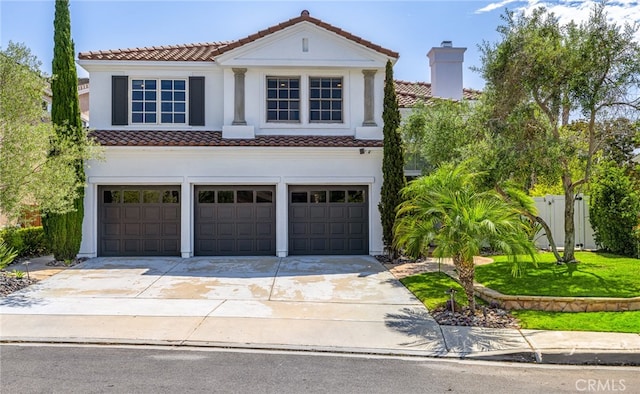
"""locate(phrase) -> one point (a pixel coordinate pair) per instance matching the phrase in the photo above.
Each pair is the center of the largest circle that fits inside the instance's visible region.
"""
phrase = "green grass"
(430, 288)
(596, 275)
(581, 321)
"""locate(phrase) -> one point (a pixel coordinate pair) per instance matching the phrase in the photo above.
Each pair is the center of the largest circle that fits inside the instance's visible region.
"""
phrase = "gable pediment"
(303, 44)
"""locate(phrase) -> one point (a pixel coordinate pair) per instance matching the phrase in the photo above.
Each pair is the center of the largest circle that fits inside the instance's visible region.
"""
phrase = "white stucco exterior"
(279, 167)
(302, 50)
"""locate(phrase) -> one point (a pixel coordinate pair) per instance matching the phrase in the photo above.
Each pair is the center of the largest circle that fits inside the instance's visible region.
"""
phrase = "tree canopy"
(27, 174)
(553, 89)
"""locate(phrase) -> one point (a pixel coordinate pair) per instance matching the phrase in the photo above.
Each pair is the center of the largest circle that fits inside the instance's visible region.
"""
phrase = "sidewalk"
(345, 304)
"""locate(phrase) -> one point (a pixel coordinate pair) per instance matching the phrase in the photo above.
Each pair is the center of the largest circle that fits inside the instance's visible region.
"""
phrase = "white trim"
(240, 181)
(312, 181)
(135, 180)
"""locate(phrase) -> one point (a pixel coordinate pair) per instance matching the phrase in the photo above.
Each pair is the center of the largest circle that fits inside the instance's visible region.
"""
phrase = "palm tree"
(446, 209)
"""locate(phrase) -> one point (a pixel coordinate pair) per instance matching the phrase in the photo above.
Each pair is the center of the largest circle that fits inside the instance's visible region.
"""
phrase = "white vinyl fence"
(551, 209)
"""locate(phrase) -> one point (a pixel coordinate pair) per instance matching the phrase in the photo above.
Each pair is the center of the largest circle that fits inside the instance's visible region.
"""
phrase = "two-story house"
(268, 145)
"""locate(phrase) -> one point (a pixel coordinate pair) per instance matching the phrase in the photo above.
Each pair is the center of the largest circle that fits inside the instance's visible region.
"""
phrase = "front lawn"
(596, 275)
(430, 289)
(583, 321)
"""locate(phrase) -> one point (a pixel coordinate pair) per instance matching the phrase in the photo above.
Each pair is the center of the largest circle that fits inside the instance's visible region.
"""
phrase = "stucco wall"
(237, 166)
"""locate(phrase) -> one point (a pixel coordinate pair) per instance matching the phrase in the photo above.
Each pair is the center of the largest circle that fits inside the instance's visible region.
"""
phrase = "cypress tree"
(392, 163)
(64, 231)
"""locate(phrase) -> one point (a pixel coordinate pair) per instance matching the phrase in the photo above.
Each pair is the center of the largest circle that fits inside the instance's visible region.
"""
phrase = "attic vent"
(305, 45)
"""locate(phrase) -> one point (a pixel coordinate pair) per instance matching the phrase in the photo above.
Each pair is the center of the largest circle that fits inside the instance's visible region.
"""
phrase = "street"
(129, 369)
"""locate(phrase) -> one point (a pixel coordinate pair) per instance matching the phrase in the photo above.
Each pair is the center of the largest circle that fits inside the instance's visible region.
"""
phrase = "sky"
(408, 27)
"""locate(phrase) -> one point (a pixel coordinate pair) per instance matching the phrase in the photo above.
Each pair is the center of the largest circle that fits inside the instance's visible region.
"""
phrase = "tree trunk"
(569, 223)
(466, 275)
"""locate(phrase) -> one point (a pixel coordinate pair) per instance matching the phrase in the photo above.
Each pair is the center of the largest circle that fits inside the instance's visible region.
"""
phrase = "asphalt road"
(98, 369)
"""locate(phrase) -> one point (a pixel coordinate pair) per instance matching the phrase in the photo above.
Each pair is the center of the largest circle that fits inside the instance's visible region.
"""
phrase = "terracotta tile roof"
(214, 138)
(409, 93)
(201, 52)
(208, 51)
(305, 17)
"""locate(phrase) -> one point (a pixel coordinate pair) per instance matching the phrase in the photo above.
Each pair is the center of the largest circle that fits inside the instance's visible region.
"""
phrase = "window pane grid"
(144, 101)
(325, 100)
(283, 99)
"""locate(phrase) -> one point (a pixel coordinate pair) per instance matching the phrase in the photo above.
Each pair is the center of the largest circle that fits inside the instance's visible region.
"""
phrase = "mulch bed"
(485, 316)
(9, 283)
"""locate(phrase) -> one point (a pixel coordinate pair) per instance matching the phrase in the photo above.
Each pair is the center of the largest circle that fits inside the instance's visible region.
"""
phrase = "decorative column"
(368, 97)
(238, 103)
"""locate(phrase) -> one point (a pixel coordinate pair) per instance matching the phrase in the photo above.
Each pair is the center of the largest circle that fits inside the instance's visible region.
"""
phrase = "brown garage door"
(328, 220)
(235, 221)
(139, 220)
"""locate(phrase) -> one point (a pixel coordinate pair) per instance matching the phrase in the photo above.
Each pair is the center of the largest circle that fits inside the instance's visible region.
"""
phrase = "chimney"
(446, 70)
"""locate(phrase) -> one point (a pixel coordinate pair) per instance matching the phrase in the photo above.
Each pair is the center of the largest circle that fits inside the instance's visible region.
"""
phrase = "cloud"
(619, 11)
(494, 6)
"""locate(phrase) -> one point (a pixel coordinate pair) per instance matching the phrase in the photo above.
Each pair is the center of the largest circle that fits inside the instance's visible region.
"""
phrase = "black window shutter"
(196, 101)
(119, 100)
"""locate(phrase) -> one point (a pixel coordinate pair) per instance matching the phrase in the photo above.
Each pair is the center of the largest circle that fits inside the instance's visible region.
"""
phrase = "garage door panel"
(242, 220)
(337, 213)
(298, 229)
(131, 213)
(171, 212)
(226, 246)
(297, 212)
(151, 230)
(131, 246)
(328, 220)
(111, 214)
(225, 230)
(338, 244)
(244, 229)
(357, 229)
(138, 220)
(264, 229)
(317, 228)
(245, 213)
(356, 212)
(225, 213)
(151, 213)
(317, 212)
(338, 228)
(318, 245)
(111, 229)
(264, 212)
(132, 229)
(150, 245)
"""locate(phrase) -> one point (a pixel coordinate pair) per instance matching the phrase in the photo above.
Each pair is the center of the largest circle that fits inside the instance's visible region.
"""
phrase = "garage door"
(139, 220)
(235, 220)
(328, 220)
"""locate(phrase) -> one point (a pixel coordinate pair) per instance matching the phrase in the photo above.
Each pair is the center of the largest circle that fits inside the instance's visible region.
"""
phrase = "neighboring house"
(83, 97)
(268, 145)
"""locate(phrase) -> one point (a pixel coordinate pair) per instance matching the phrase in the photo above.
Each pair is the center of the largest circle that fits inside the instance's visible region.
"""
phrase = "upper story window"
(283, 99)
(158, 101)
(325, 100)
(304, 99)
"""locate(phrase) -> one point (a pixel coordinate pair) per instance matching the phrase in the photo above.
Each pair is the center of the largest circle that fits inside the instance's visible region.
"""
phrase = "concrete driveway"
(323, 303)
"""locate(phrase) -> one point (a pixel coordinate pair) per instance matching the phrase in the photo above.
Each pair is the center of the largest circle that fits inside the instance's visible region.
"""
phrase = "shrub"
(7, 255)
(29, 241)
(614, 210)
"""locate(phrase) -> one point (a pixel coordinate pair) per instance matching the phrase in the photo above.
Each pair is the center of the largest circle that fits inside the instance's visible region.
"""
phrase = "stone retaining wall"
(557, 304)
